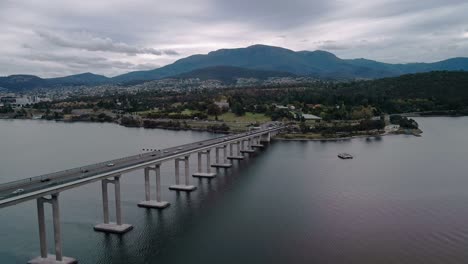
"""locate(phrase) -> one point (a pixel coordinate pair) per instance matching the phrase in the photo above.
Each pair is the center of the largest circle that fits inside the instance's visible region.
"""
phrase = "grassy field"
(247, 118)
(189, 112)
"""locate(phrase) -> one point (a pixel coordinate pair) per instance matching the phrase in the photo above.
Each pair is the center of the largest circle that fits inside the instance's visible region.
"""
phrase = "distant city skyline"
(57, 38)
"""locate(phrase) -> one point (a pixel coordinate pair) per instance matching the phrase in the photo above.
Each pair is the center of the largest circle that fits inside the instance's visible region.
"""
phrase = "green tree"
(213, 109)
(238, 109)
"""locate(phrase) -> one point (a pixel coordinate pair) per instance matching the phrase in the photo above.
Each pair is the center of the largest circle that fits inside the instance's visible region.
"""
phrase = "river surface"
(403, 199)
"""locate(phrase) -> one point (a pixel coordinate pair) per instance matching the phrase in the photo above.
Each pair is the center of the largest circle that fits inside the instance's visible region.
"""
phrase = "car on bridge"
(18, 191)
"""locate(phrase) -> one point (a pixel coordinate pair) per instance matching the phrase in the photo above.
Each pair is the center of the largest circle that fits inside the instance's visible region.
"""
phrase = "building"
(222, 104)
(7, 100)
(311, 117)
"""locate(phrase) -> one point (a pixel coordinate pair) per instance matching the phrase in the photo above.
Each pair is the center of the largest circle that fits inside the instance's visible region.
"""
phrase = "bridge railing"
(17, 183)
(59, 174)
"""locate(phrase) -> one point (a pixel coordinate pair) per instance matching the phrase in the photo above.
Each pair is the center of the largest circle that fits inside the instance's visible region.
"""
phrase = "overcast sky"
(61, 37)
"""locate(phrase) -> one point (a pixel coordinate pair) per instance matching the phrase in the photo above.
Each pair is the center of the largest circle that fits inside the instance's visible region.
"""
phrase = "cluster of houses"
(18, 102)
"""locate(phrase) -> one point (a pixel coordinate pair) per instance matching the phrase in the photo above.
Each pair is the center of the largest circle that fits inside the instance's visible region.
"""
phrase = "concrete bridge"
(45, 189)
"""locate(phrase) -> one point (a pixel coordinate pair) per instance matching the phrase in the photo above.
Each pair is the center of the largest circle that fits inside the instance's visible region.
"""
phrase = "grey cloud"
(269, 14)
(332, 45)
(115, 36)
(86, 41)
(80, 64)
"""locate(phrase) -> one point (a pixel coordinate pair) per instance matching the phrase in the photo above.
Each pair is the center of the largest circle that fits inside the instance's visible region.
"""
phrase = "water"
(401, 200)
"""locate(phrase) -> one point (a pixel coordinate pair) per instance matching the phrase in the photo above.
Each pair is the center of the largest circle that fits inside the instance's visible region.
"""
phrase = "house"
(286, 107)
(8, 100)
(281, 107)
(222, 104)
(311, 117)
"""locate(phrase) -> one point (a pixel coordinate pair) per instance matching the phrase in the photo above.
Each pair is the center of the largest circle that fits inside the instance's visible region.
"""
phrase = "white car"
(110, 164)
(18, 191)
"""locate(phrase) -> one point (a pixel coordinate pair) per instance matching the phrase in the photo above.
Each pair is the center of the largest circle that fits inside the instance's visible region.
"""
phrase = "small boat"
(345, 156)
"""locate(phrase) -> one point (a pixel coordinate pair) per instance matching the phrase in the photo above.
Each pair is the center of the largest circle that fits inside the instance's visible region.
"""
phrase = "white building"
(311, 117)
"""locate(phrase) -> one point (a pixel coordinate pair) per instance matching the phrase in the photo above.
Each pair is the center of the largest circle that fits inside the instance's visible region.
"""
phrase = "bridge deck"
(39, 186)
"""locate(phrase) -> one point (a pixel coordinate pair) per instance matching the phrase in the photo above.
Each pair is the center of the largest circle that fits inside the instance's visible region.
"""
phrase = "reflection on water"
(402, 199)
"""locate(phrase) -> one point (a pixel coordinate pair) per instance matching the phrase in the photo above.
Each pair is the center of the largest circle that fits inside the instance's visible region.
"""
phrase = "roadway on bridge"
(9, 190)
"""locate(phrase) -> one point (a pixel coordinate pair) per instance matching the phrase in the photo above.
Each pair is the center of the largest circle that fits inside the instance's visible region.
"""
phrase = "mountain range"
(258, 61)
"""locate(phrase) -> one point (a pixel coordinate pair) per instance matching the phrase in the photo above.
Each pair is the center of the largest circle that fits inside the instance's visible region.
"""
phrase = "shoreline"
(414, 132)
(329, 139)
(334, 139)
(128, 126)
(294, 137)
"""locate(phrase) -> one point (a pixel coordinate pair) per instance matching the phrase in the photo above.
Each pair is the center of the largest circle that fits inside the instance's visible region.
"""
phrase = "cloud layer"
(59, 37)
(86, 41)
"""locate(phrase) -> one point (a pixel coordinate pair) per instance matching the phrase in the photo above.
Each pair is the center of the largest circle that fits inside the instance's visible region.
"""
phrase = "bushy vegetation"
(357, 101)
(404, 122)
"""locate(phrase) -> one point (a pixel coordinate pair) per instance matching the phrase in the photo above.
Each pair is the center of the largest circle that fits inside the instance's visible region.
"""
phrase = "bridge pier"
(46, 258)
(110, 227)
(182, 187)
(208, 173)
(248, 149)
(224, 164)
(256, 143)
(148, 203)
(236, 156)
(266, 137)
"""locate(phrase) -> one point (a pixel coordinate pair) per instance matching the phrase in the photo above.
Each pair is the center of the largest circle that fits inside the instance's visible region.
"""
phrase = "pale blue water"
(401, 200)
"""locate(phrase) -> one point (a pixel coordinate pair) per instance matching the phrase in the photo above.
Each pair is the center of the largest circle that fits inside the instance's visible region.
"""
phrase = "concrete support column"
(148, 203)
(177, 172)
(249, 144)
(118, 206)
(182, 187)
(157, 169)
(57, 229)
(147, 185)
(187, 170)
(105, 202)
(225, 160)
(45, 257)
(224, 163)
(200, 173)
(199, 154)
(256, 142)
(266, 137)
(42, 228)
(217, 154)
(234, 155)
(107, 226)
(208, 162)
